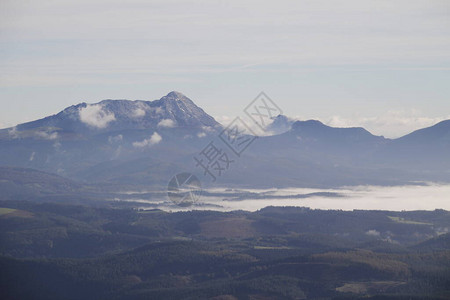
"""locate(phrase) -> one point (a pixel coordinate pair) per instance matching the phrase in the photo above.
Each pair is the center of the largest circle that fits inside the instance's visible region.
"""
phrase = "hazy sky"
(384, 65)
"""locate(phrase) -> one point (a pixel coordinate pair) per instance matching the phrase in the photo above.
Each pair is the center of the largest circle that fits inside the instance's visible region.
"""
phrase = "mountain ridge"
(177, 101)
(146, 142)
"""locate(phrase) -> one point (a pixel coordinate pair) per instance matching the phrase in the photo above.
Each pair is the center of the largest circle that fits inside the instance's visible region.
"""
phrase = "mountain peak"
(280, 124)
(184, 111)
(176, 95)
(280, 118)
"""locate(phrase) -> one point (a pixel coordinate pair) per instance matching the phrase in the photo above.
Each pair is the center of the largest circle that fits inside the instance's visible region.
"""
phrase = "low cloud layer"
(153, 140)
(96, 116)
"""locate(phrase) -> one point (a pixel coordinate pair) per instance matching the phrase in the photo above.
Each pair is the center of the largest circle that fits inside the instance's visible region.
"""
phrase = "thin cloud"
(115, 139)
(159, 43)
(14, 133)
(153, 140)
(327, 34)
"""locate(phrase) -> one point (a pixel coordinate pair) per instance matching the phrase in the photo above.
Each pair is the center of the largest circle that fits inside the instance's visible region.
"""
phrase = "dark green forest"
(67, 251)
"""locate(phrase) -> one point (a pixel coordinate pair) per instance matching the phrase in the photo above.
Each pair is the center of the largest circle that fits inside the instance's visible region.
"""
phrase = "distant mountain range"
(144, 143)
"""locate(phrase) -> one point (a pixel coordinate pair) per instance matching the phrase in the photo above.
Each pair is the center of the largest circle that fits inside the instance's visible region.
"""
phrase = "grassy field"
(271, 248)
(4, 210)
(403, 221)
(373, 287)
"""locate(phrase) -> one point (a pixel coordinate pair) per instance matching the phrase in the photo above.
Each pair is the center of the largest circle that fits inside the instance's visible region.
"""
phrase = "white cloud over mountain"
(153, 140)
(166, 123)
(47, 135)
(95, 116)
(139, 113)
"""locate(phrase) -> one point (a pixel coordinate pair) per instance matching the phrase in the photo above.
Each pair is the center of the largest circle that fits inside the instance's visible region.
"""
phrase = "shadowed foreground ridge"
(275, 253)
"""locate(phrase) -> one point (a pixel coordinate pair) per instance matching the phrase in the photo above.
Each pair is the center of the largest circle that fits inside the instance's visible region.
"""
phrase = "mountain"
(280, 124)
(317, 130)
(109, 138)
(122, 143)
(172, 110)
(312, 154)
(424, 150)
(314, 141)
(439, 133)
